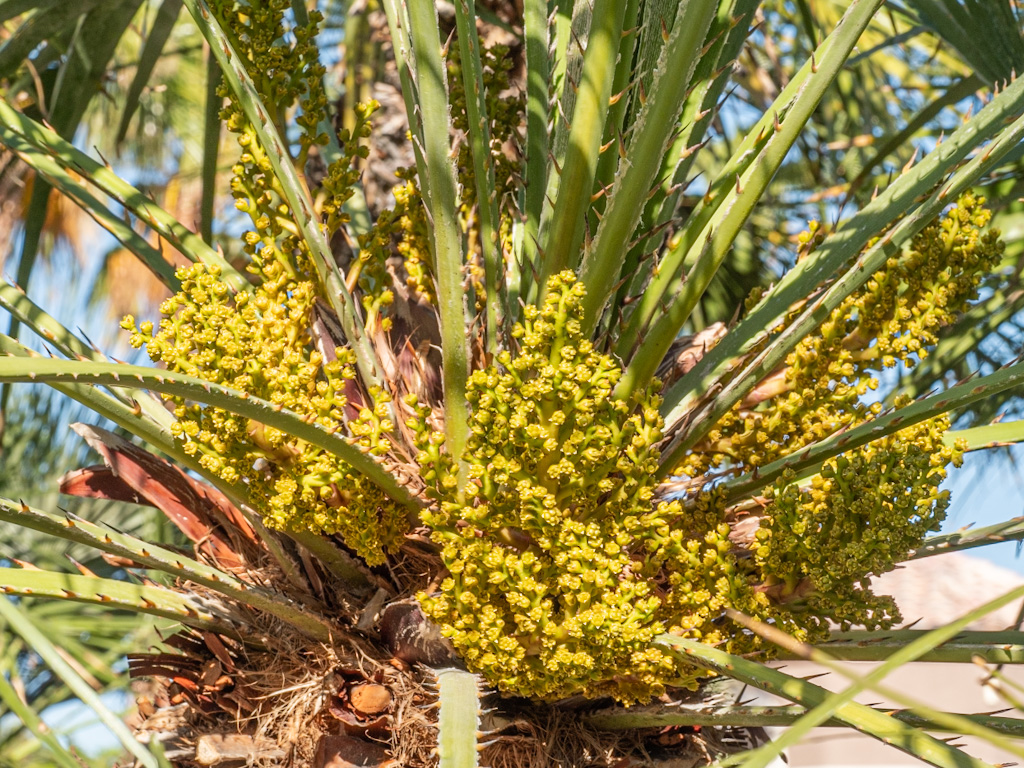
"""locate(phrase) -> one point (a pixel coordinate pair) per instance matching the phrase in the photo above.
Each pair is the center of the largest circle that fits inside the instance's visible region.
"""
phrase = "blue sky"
(989, 489)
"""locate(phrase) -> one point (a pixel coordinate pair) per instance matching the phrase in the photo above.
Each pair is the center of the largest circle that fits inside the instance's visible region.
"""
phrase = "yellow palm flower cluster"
(862, 514)
(505, 108)
(405, 223)
(284, 65)
(505, 111)
(563, 565)
(892, 319)
(260, 344)
(343, 175)
(820, 538)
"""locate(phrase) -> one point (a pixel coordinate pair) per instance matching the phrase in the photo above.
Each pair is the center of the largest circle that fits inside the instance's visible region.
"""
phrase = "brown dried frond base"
(278, 688)
(524, 733)
(285, 695)
(297, 693)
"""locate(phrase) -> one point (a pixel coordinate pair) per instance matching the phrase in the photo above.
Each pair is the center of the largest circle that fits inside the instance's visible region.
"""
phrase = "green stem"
(565, 235)
(713, 242)
(728, 33)
(441, 201)
(651, 135)
(614, 142)
(996, 435)
(823, 705)
(808, 460)
(335, 560)
(137, 421)
(873, 680)
(483, 167)
(153, 600)
(28, 313)
(158, 558)
(458, 718)
(738, 715)
(211, 148)
(405, 63)
(1009, 530)
(1005, 647)
(535, 166)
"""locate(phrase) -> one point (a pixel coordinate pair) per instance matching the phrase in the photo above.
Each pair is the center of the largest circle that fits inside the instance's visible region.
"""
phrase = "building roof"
(944, 587)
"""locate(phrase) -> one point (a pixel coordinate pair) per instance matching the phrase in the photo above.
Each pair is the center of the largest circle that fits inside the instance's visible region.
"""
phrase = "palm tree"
(489, 426)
